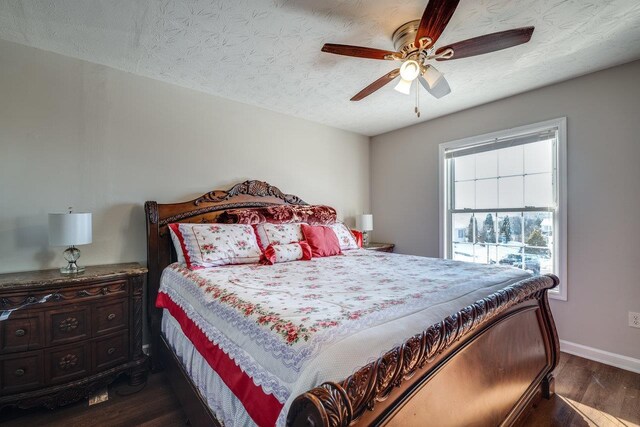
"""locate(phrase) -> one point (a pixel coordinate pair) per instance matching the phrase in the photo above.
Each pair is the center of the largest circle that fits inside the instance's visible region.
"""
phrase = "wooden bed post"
(153, 314)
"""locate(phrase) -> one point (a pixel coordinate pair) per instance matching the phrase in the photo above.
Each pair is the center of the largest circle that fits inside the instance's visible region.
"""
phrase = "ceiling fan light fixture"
(432, 76)
(409, 70)
(404, 86)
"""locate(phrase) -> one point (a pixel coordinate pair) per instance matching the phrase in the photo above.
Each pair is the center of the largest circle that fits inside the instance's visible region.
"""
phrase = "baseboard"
(608, 358)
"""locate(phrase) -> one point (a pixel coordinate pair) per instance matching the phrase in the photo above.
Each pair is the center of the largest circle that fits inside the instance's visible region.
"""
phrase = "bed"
(477, 352)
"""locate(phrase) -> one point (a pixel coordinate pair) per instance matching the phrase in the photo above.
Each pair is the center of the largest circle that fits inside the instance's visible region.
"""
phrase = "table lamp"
(364, 223)
(70, 229)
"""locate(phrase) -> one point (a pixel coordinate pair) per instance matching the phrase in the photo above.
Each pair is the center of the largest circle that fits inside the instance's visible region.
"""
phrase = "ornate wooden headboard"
(204, 209)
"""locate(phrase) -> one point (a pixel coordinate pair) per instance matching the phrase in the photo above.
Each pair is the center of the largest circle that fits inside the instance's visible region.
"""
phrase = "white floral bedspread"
(293, 325)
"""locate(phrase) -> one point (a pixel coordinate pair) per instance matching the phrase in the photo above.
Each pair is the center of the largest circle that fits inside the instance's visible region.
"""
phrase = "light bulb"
(404, 86)
(409, 70)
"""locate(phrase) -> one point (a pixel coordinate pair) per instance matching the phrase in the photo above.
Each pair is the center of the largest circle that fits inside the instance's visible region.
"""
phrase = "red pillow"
(358, 235)
(322, 240)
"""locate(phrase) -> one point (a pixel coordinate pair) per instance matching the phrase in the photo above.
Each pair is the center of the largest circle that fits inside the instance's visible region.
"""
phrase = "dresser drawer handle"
(20, 332)
(111, 351)
(111, 316)
(19, 372)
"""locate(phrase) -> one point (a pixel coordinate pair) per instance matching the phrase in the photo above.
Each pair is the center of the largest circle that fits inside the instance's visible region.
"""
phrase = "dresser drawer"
(110, 351)
(21, 333)
(67, 325)
(67, 362)
(110, 317)
(20, 372)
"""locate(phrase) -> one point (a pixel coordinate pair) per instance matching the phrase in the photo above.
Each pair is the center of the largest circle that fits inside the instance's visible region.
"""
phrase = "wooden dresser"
(71, 335)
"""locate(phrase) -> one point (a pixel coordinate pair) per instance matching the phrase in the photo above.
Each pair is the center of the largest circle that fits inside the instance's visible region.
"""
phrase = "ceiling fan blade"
(440, 89)
(358, 51)
(376, 85)
(435, 18)
(487, 43)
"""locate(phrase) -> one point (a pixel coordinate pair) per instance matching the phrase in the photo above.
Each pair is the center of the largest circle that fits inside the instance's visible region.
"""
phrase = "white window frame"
(560, 216)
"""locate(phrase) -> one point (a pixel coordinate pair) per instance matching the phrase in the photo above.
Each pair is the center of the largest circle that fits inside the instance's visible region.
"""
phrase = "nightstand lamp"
(70, 229)
(364, 223)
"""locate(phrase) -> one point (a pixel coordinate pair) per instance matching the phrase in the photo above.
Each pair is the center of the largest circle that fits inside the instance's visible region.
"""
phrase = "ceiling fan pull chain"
(417, 109)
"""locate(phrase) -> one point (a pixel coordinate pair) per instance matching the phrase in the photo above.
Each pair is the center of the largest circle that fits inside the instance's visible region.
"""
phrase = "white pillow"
(345, 237)
(277, 234)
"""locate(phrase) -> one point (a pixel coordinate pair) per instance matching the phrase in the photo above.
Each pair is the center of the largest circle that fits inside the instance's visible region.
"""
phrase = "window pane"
(485, 253)
(510, 192)
(508, 255)
(538, 190)
(465, 195)
(487, 164)
(510, 161)
(465, 167)
(538, 157)
(486, 193)
(539, 242)
(486, 227)
(463, 252)
(463, 228)
(509, 228)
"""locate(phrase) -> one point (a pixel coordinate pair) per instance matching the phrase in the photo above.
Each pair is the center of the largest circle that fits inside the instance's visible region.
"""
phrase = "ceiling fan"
(415, 46)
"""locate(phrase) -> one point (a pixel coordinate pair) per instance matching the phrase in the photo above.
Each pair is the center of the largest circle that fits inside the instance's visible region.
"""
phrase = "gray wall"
(603, 127)
(78, 134)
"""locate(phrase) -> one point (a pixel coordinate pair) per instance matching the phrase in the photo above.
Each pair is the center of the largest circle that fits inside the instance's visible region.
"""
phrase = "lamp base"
(365, 238)
(72, 268)
(71, 254)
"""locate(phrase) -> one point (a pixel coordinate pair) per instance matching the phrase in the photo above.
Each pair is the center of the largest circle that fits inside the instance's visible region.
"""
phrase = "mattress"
(270, 333)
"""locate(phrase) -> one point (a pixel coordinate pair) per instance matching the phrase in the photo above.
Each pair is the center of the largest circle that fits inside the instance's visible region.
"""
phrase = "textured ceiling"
(267, 53)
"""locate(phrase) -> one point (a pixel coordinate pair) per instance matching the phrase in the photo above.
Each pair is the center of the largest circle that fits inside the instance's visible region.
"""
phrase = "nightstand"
(380, 247)
(69, 335)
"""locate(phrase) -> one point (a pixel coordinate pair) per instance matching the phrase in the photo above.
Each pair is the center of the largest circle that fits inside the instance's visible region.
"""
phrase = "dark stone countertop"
(27, 279)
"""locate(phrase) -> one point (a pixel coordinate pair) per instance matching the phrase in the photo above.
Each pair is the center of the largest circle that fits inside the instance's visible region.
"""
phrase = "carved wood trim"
(136, 341)
(151, 208)
(202, 211)
(62, 295)
(253, 188)
(105, 290)
(64, 394)
(340, 404)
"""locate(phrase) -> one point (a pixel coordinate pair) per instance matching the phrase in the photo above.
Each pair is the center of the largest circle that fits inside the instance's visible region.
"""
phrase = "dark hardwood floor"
(154, 405)
(587, 394)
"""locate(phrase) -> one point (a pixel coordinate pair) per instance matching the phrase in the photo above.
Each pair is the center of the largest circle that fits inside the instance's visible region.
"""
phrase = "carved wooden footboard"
(480, 366)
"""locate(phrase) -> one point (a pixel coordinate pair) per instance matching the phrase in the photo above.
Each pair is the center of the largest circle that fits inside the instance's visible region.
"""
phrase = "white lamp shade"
(69, 229)
(404, 86)
(364, 222)
(432, 76)
(440, 89)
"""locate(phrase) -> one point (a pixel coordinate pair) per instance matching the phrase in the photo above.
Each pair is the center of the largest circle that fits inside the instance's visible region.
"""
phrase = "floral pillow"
(212, 245)
(285, 253)
(277, 234)
(345, 237)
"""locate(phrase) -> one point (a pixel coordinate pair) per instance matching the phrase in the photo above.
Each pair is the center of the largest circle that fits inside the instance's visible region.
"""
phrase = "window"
(502, 199)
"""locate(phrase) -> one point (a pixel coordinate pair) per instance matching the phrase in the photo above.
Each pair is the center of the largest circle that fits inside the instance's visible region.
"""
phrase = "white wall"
(78, 134)
(603, 119)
